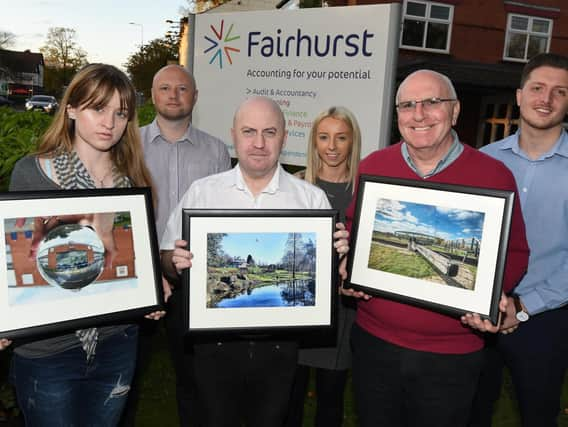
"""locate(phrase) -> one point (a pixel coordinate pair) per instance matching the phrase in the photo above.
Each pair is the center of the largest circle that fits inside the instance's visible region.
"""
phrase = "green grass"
(471, 268)
(157, 405)
(20, 133)
(392, 260)
(256, 274)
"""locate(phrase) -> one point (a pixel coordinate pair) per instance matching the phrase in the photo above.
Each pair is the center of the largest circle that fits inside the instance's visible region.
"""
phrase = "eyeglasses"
(429, 104)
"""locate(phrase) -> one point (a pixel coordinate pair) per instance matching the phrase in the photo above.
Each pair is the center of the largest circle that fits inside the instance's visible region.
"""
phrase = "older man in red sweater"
(413, 366)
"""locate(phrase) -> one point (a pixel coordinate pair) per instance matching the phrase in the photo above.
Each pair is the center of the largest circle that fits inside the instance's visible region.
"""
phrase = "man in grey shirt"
(177, 154)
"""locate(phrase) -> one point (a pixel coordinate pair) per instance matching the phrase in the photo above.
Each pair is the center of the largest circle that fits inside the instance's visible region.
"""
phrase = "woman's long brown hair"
(93, 87)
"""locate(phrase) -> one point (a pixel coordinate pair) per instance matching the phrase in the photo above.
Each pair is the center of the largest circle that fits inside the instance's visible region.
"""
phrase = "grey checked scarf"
(73, 175)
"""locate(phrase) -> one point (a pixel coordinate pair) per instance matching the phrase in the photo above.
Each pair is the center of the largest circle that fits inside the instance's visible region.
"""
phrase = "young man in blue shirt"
(534, 344)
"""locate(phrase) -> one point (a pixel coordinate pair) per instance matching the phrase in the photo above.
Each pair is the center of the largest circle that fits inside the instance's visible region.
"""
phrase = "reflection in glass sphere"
(71, 256)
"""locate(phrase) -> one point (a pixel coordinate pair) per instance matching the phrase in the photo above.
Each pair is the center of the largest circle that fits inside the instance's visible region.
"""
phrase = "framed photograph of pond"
(260, 271)
(438, 246)
(76, 259)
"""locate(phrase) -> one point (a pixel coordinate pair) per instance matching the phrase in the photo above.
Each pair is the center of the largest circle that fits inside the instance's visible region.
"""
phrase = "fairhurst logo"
(219, 44)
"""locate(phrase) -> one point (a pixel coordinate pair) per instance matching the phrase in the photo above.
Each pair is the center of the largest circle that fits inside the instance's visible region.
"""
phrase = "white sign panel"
(306, 60)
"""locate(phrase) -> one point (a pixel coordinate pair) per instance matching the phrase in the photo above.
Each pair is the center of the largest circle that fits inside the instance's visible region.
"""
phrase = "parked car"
(42, 102)
(5, 102)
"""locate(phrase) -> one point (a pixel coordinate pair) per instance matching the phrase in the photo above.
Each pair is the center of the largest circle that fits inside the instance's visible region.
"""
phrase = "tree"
(309, 258)
(215, 253)
(290, 257)
(6, 39)
(62, 56)
(299, 253)
(142, 65)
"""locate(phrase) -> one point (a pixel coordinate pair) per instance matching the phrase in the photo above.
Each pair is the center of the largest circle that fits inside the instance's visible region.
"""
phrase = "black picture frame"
(438, 246)
(221, 295)
(73, 259)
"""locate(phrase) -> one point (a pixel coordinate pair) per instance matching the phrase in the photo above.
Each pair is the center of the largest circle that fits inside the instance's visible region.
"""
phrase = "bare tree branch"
(7, 39)
(62, 54)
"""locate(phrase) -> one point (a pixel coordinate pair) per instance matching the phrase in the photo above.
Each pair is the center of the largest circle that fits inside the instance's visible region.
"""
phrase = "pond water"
(291, 293)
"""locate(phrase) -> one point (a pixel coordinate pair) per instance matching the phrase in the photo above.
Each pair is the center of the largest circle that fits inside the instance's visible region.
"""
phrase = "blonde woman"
(333, 156)
(82, 378)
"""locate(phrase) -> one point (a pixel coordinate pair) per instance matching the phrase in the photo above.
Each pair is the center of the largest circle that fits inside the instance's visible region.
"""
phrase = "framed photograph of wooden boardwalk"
(266, 271)
(439, 246)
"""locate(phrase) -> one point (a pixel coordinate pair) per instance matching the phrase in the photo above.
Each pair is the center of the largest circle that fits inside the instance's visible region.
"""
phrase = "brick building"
(482, 46)
(24, 272)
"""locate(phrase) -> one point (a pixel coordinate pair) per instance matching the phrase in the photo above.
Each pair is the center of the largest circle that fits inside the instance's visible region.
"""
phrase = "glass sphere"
(71, 256)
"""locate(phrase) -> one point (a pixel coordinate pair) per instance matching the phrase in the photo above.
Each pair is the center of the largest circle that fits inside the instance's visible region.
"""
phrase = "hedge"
(20, 133)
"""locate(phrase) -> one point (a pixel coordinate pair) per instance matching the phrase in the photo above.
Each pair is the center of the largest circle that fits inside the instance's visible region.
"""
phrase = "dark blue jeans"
(65, 390)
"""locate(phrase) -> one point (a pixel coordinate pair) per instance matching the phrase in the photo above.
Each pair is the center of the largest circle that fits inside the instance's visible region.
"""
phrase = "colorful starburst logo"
(220, 45)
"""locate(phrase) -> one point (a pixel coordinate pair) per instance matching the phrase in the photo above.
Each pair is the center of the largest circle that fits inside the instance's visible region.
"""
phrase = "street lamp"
(141, 32)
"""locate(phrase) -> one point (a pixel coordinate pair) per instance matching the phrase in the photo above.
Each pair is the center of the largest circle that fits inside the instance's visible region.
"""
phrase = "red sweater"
(422, 329)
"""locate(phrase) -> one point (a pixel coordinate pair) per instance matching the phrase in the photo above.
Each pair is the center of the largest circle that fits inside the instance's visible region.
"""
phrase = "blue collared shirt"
(453, 153)
(543, 190)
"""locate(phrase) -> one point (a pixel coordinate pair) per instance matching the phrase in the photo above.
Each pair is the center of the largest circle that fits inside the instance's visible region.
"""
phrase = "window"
(526, 37)
(121, 270)
(426, 26)
(9, 258)
(27, 279)
(499, 118)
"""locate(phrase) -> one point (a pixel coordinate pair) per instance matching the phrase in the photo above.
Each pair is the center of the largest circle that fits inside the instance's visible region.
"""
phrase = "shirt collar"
(272, 187)
(453, 153)
(155, 132)
(560, 147)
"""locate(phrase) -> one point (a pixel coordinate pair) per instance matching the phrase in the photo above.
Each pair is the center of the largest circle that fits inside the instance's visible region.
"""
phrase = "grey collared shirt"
(174, 166)
(452, 154)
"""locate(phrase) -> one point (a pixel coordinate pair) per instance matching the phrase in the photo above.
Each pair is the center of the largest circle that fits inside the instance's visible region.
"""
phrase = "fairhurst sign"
(306, 60)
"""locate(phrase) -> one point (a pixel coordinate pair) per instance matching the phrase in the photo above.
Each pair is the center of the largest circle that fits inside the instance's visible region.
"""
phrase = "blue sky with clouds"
(102, 26)
(265, 248)
(446, 223)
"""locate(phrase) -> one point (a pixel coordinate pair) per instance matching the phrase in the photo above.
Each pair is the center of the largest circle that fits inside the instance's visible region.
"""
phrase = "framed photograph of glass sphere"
(76, 259)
